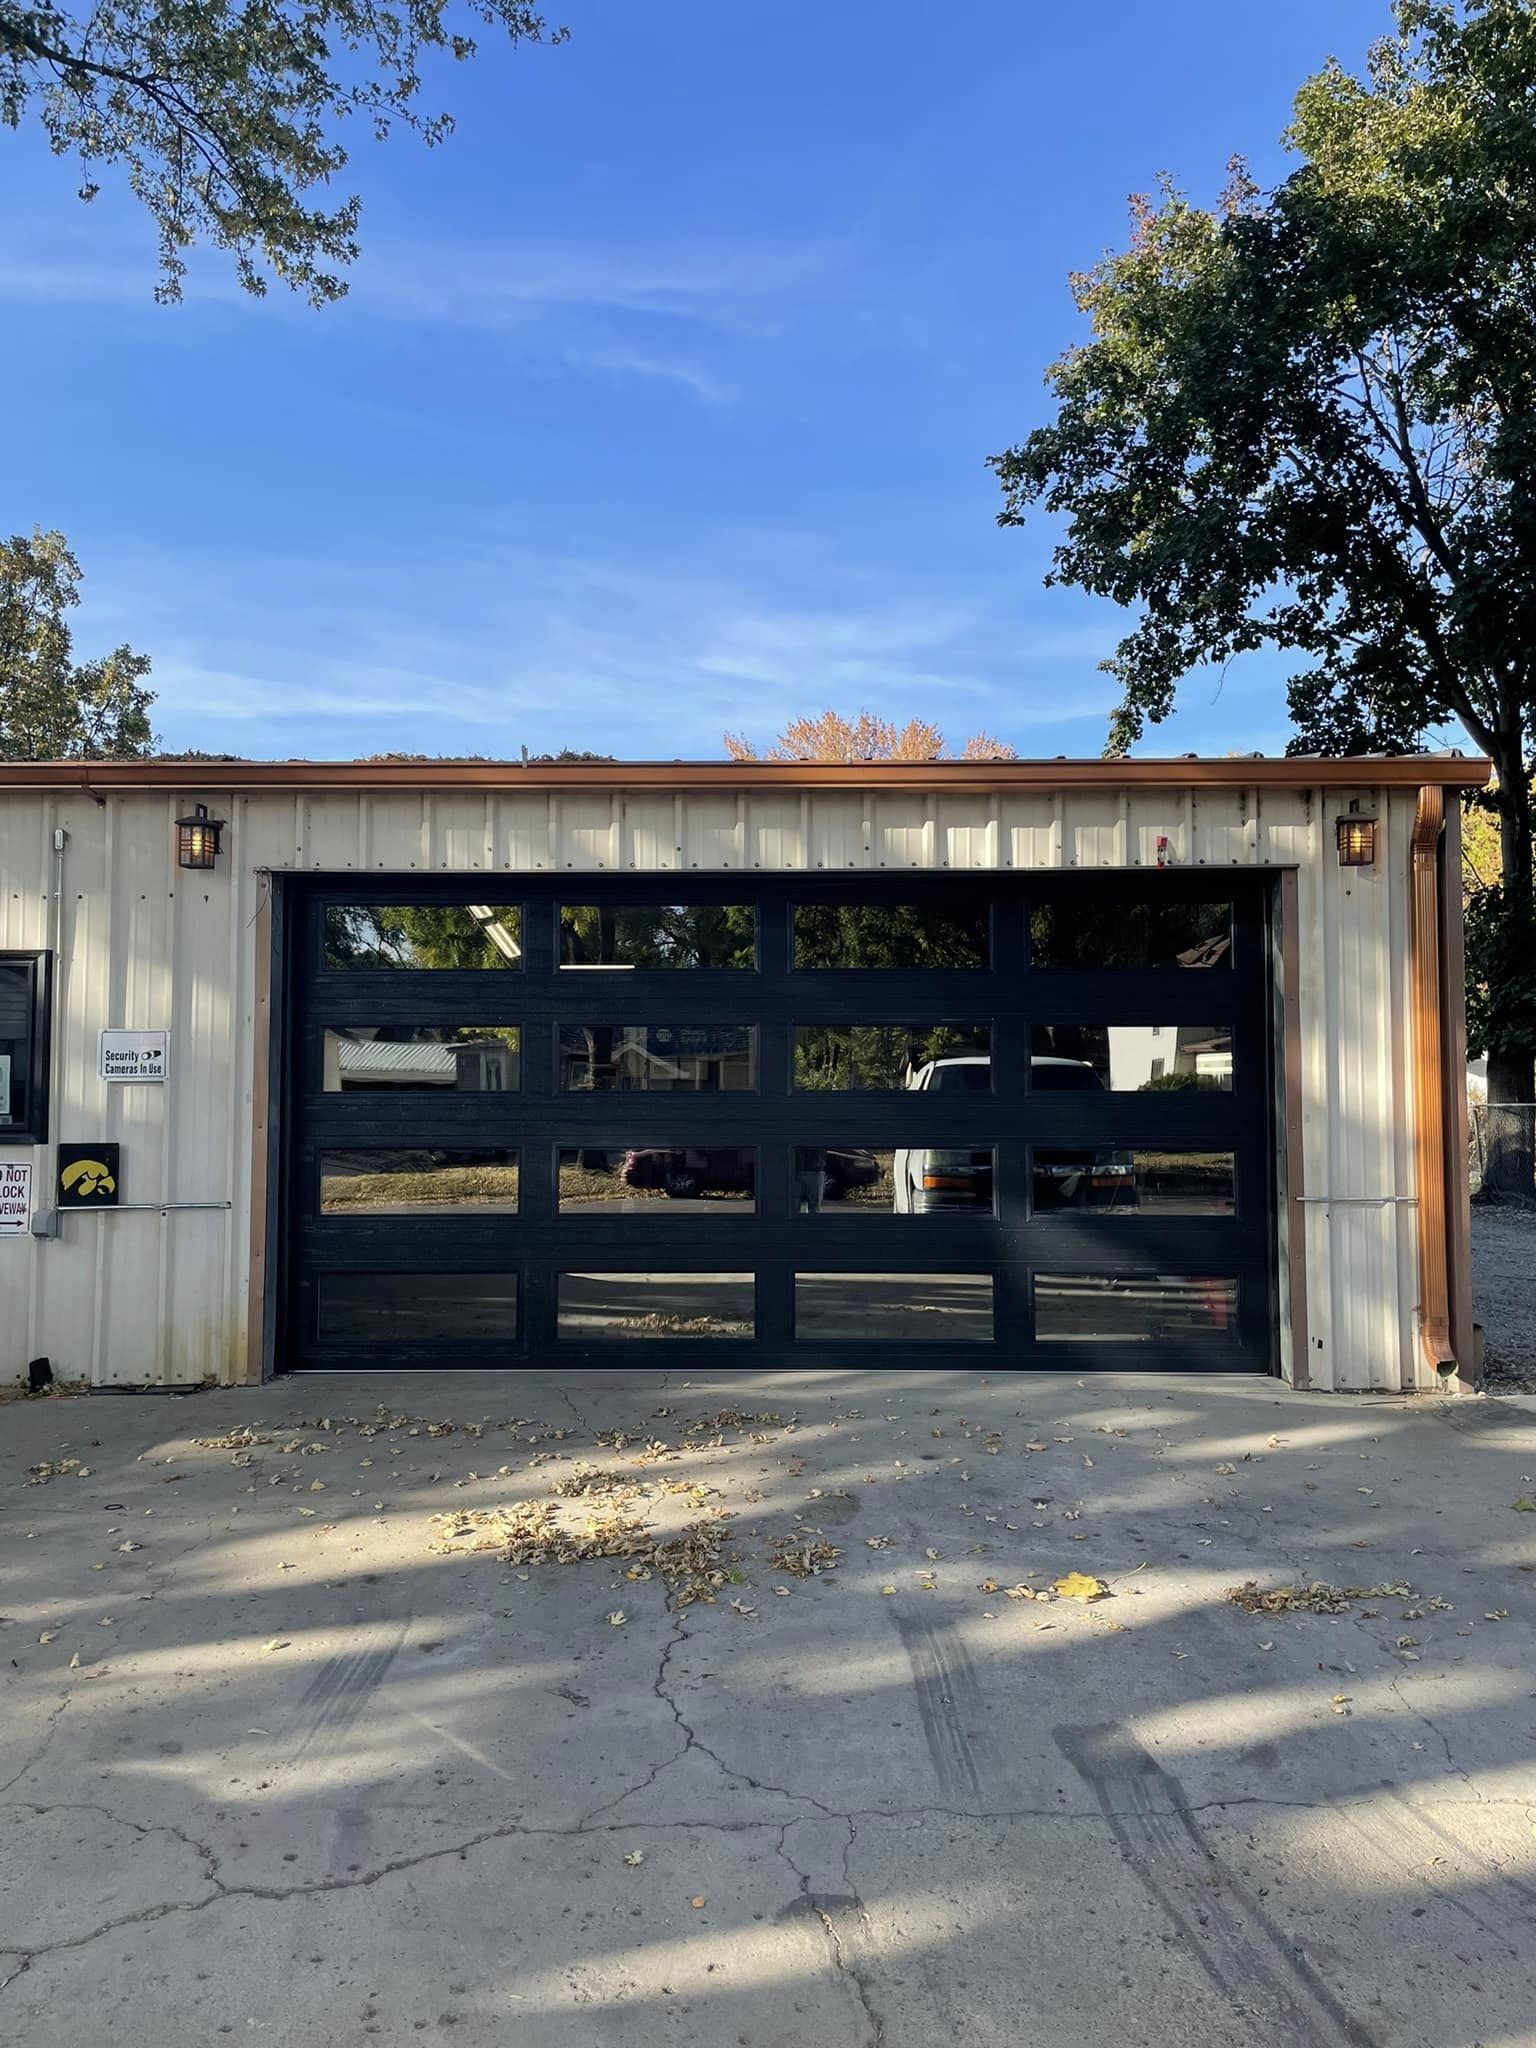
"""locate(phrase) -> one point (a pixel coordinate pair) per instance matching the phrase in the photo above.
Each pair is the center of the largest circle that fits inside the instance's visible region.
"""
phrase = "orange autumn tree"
(832, 737)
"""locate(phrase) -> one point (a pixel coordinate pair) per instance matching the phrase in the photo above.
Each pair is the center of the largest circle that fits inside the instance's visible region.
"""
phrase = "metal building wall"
(134, 1297)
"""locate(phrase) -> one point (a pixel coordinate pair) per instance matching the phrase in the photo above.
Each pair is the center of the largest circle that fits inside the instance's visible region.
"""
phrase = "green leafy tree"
(1307, 419)
(53, 708)
(222, 116)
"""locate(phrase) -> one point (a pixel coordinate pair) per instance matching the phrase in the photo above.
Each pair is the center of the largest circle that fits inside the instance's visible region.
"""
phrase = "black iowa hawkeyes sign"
(88, 1176)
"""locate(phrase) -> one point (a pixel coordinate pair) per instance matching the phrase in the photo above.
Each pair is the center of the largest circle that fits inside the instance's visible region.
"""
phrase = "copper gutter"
(105, 778)
(1428, 1085)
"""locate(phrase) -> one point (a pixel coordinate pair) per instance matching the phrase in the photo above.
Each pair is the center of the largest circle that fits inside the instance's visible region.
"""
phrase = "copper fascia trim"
(1428, 1087)
(989, 778)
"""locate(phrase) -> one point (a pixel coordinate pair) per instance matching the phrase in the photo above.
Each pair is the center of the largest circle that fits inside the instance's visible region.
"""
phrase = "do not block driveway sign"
(15, 1197)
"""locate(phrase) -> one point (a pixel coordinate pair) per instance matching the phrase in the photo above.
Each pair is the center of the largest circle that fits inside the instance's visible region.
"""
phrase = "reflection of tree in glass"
(1118, 933)
(658, 935)
(837, 1056)
(422, 935)
(888, 935)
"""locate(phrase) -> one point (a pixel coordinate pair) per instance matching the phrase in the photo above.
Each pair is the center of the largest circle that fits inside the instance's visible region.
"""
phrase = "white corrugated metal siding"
(135, 1297)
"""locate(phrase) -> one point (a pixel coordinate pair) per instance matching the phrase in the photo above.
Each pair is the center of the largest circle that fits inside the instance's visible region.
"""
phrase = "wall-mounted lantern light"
(197, 839)
(1356, 837)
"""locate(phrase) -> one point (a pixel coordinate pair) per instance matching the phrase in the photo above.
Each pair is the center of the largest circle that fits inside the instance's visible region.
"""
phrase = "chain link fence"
(1499, 1133)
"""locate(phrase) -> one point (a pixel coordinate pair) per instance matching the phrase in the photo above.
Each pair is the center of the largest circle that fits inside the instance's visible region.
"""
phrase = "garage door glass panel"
(658, 936)
(649, 1305)
(1109, 931)
(454, 1059)
(844, 1180)
(913, 1181)
(1136, 1183)
(423, 935)
(840, 1057)
(682, 1179)
(910, 936)
(1135, 1308)
(691, 1058)
(1133, 1059)
(928, 1308)
(404, 1308)
(378, 1181)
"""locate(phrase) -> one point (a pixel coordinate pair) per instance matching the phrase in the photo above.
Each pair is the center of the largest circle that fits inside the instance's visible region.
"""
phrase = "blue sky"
(661, 400)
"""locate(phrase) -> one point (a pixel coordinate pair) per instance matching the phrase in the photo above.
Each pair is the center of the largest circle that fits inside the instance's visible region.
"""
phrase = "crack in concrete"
(510, 1830)
(42, 1748)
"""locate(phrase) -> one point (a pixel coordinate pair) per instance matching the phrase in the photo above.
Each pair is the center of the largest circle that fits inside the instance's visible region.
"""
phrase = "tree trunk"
(1509, 1156)
(1509, 1165)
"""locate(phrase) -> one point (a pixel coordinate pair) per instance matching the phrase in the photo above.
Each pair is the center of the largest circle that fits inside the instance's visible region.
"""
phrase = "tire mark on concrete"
(948, 1702)
(1227, 1932)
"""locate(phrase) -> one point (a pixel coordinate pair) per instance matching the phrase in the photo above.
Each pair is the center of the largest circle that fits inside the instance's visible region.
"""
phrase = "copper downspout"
(1428, 1086)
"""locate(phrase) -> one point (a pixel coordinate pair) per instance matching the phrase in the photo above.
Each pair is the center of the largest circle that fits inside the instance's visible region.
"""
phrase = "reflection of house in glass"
(1146, 1055)
(358, 1059)
(630, 1057)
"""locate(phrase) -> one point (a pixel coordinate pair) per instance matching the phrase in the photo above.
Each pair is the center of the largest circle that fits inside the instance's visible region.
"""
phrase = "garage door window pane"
(930, 1308)
(616, 1305)
(1135, 1308)
(891, 935)
(423, 935)
(421, 1056)
(409, 1308)
(1132, 1059)
(659, 935)
(695, 1058)
(835, 1180)
(838, 1057)
(844, 1180)
(379, 1182)
(1136, 1183)
(1125, 932)
(683, 1179)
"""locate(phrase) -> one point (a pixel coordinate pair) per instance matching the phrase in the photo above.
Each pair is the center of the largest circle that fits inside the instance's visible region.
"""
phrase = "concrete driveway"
(284, 1759)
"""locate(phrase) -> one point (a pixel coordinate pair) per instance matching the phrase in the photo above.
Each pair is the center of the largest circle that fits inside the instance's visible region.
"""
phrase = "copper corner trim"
(1428, 1092)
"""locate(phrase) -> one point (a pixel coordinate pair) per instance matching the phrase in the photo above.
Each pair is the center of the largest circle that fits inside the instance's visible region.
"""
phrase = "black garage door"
(788, 1119)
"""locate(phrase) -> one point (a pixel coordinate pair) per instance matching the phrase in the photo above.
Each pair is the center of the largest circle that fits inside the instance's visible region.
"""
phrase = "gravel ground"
(1504, 1283)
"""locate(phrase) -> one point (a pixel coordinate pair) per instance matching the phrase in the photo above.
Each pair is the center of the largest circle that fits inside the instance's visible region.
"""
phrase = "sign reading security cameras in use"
(88, 1176)
(134, 1055)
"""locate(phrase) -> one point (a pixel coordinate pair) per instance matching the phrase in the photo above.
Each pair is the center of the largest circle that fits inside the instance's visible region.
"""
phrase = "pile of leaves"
(802, 1554)
(588, 1479)
(729, 1418)
(1318, 1598)
(57, 1468)
(694, 1564)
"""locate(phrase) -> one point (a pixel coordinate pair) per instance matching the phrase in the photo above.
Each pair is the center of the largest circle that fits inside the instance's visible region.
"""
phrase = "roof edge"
(1355, 771)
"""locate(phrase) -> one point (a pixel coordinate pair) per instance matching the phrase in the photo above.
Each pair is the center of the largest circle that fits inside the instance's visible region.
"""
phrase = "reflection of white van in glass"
(929, 1181)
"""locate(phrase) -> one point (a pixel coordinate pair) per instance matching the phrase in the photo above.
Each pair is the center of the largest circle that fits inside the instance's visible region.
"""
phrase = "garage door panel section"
(1020, 1117)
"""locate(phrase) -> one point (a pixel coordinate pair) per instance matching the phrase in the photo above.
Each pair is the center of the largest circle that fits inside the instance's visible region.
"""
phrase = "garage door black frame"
(775, 1242)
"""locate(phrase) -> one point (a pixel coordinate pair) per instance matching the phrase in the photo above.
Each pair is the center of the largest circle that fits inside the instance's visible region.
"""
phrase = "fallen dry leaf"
(1525, 1505)
(634, 1858)
(1080, 1586)
(618, 1618)
(276, 1643)
(47, 1635)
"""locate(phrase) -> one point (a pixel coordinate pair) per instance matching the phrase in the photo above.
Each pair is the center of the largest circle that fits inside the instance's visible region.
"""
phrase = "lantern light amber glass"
(1356, 837)
(197, 839)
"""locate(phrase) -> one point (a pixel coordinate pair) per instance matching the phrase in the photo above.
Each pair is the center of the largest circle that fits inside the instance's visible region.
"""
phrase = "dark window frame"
(33, 1129)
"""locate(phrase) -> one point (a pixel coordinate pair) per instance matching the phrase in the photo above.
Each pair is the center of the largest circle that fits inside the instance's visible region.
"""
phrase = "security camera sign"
(15, 1197)
(134, 1055)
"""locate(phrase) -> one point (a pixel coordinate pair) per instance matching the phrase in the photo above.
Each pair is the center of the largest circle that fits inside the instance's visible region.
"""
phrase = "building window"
(25, 1008)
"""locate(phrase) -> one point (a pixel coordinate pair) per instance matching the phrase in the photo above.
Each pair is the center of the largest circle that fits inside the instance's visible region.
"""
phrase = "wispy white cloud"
(619, 360)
